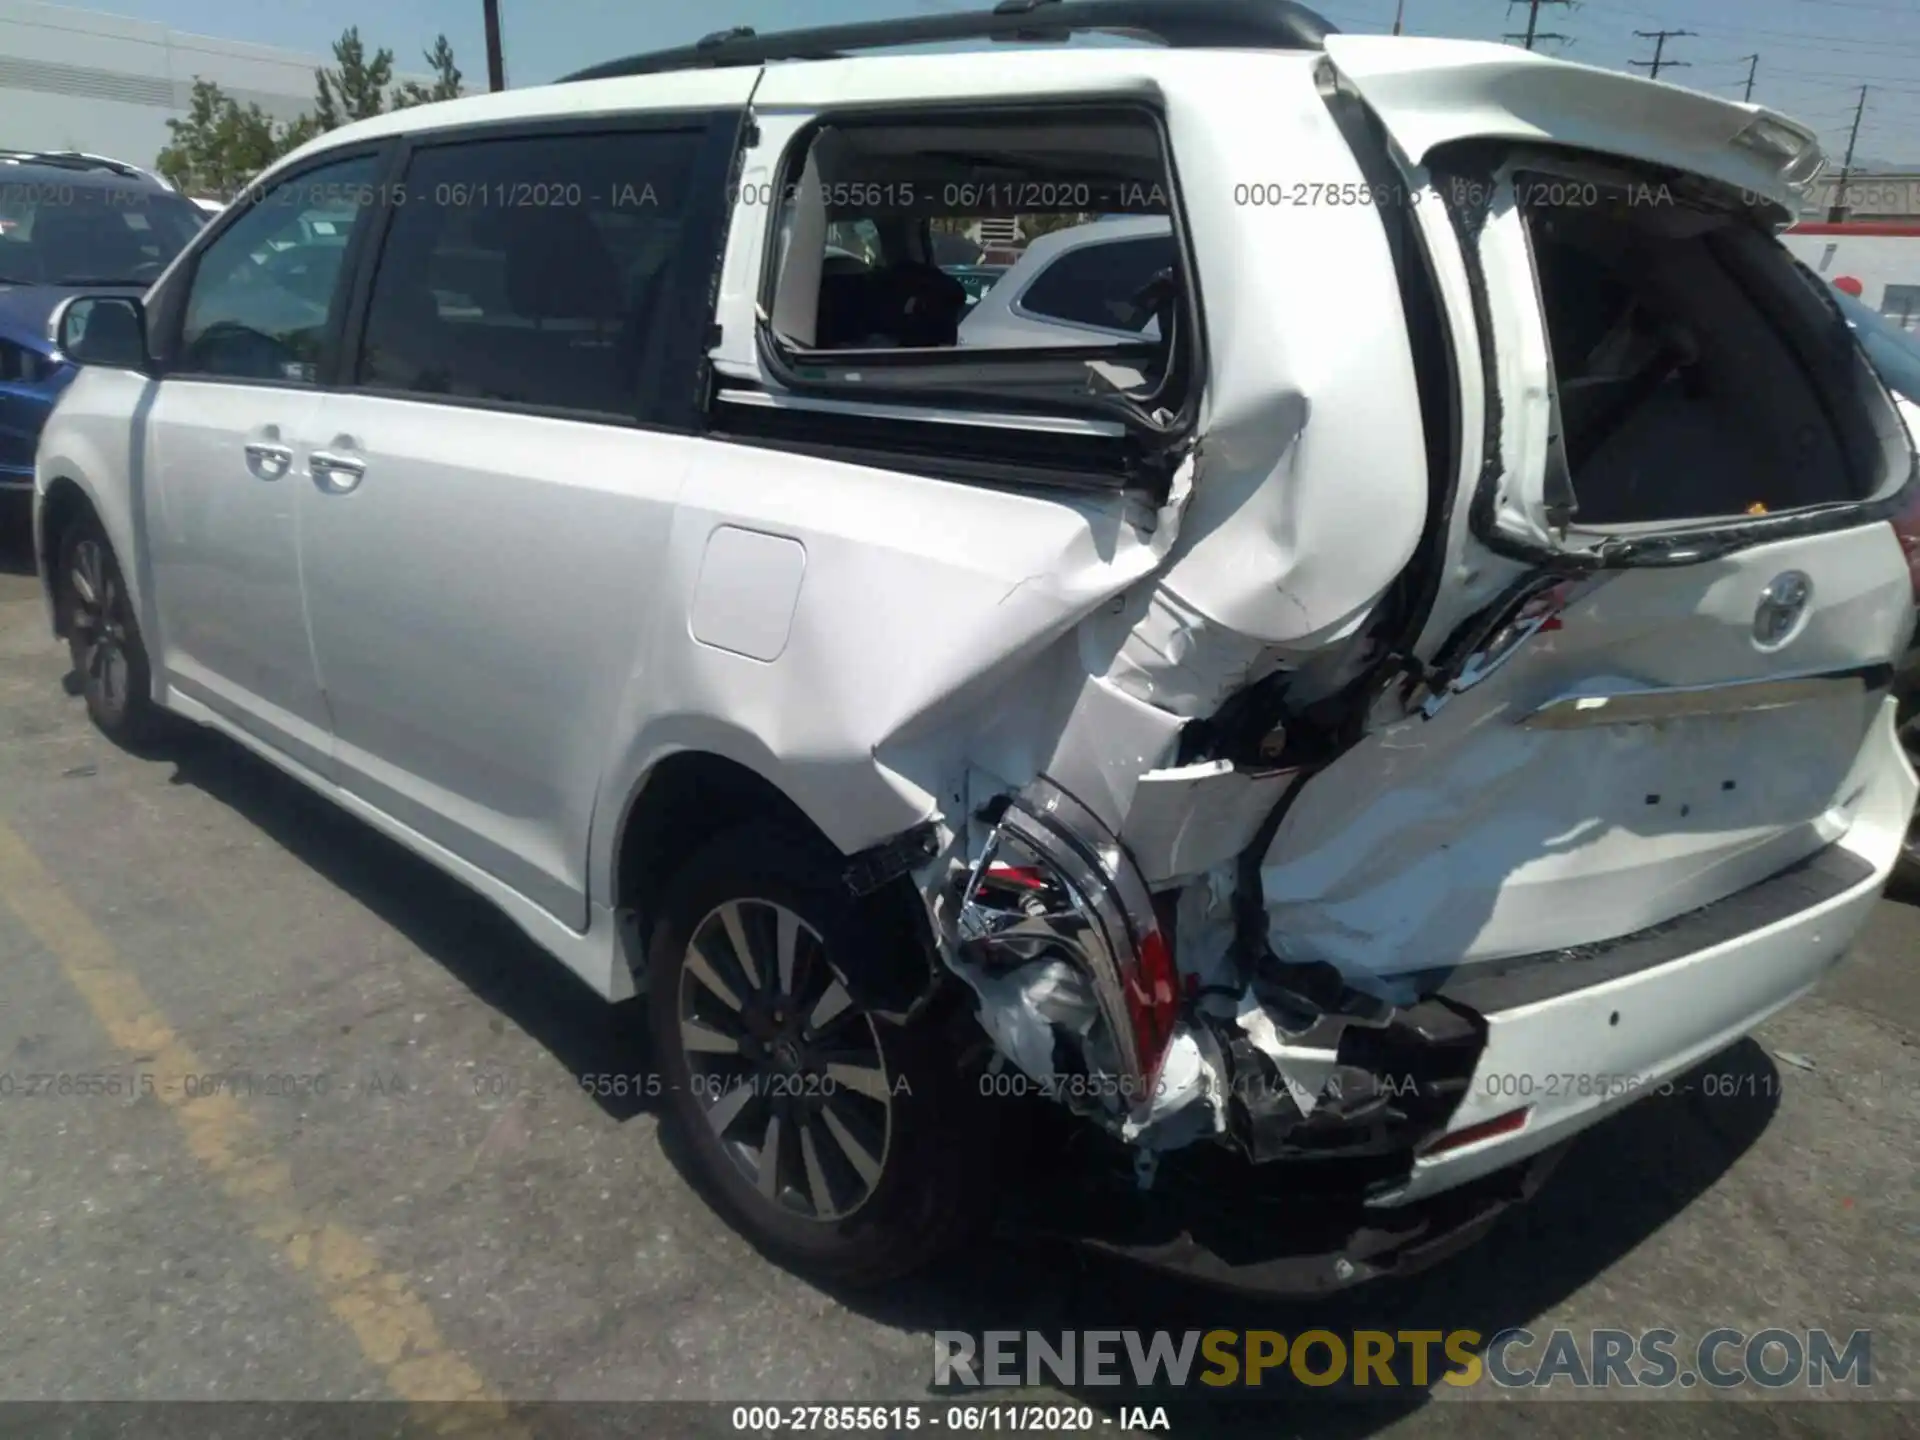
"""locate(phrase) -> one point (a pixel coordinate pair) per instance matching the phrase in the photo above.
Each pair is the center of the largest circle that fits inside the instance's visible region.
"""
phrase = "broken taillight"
(1153, 1002)
(1054, 882)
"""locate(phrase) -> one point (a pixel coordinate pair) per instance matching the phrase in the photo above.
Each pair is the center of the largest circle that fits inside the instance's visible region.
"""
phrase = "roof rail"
(84, 160)
(1182, 24)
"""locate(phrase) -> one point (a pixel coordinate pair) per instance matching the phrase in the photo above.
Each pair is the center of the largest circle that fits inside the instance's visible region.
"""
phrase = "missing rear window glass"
(1024, 258)
(1693, 378)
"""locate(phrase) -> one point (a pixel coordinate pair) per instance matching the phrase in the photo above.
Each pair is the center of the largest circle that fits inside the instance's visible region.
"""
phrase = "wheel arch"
(692, 797)
(686, 799)
(63, 503)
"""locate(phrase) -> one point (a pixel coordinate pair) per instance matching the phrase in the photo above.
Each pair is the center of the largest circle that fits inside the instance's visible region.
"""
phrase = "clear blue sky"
(1814, 54)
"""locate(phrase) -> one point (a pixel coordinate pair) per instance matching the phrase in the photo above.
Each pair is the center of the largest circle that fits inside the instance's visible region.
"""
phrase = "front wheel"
(836, 1141)
(104, 643)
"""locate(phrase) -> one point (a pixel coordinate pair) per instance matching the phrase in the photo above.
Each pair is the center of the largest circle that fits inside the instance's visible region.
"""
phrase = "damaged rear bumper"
(1570, 1039)
(1279, 1230)
(1380, 1244)
(1574, 1036)
(1384, 1139)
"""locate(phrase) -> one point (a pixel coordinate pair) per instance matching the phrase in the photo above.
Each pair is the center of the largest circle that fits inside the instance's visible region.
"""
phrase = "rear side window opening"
(882, 222)
(1695, 376)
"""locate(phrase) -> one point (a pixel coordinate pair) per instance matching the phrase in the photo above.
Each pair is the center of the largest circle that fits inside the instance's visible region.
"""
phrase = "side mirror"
(109, 330)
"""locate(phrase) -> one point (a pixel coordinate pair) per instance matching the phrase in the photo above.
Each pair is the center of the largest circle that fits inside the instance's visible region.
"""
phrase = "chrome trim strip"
(1683, 702)
(928, 414)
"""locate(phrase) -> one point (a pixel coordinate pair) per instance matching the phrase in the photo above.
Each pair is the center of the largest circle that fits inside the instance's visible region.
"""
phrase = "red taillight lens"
(1507, 1124)
(1153, 1002)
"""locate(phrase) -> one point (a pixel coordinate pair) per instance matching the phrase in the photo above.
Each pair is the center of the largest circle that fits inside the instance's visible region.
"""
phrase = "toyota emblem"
(1782, 608)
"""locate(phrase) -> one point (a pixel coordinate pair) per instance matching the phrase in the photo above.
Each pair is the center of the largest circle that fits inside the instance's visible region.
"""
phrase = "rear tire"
(104, 643)
(876, 1162)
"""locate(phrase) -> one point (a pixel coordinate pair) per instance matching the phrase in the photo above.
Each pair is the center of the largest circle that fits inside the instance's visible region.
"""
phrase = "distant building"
(82, 80)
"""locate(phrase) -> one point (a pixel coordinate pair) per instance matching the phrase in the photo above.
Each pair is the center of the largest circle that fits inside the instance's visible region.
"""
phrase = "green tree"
(356, 89)
(221, 144)
(446, 79)
(296, 133)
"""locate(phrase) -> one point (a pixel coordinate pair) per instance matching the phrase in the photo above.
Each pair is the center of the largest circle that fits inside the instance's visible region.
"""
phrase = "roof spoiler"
(1180, 24)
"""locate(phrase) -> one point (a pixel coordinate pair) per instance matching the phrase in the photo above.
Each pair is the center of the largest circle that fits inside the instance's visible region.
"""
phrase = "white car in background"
(1077, 287)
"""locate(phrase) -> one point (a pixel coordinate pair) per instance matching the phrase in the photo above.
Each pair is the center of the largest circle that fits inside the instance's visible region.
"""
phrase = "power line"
(1533, 31)
(1660, 38)
(1858, 5)
(1741, 32)
(1815, 76)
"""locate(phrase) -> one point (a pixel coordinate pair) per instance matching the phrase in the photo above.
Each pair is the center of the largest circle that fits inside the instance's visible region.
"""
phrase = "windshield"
(1894, 352)
(63, 233)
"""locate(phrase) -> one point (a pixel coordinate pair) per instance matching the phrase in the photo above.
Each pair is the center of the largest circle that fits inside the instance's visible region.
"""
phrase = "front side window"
(263, 290)
(530, 271)
(1101, 284)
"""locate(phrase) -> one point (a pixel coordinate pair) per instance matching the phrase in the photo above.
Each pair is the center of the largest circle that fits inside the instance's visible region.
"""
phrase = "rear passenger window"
(530, 272)
(1101, 284)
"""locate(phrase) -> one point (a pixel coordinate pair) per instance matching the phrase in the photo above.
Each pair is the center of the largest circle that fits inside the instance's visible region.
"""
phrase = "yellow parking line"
(392, 1325)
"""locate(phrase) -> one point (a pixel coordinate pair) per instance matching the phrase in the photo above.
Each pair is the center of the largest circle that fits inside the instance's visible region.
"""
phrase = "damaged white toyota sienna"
(1403, 676)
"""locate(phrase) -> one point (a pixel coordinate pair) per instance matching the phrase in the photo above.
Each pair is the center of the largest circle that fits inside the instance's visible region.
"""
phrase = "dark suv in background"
(69, 221)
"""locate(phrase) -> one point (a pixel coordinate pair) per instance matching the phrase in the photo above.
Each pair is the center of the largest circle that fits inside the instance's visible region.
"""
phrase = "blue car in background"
(69, 222)
(1895, 353)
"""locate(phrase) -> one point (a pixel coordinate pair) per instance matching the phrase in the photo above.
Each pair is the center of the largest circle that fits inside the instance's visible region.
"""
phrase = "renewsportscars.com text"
(1515, 1358)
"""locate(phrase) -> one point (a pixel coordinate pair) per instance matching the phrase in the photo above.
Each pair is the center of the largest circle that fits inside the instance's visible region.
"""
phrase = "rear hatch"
(1671, 592)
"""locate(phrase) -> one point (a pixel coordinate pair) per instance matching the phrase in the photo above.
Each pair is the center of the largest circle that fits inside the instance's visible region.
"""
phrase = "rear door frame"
(684, 322)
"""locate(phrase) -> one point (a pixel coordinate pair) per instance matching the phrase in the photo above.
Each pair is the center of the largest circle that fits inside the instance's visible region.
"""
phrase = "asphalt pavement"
(400, 1191)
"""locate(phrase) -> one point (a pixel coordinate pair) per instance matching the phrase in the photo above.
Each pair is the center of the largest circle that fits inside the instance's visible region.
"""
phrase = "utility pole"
(1753, 67)
(1399, 14)
(496, 63)
(1658, 63)
(1533, 31)
(1838, 211)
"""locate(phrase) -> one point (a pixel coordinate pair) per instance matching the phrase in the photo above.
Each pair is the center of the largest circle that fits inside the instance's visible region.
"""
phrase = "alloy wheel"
(102, 624)
(786, 1069)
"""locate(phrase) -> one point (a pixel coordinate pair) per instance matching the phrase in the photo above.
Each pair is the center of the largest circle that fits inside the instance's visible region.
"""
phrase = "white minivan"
(1425, 691)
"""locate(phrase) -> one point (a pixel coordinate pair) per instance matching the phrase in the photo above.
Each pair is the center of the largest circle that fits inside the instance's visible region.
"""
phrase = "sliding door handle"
(268, 461)
(336, 473)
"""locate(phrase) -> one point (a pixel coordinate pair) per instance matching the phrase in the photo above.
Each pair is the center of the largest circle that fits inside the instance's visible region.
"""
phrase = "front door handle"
(336, 473)
(267, 460)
